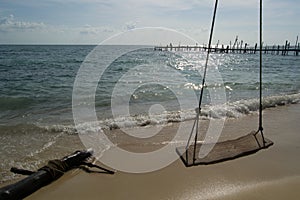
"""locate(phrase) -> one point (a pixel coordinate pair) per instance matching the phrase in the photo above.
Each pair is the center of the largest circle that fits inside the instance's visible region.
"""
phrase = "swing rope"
(198, 112)
(260, 128)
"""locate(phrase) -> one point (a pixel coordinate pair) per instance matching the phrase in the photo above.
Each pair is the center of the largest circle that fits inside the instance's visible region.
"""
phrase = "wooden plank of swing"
(226, 150)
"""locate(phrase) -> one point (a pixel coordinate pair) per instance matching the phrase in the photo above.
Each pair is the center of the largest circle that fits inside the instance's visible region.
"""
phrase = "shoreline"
(273, 173)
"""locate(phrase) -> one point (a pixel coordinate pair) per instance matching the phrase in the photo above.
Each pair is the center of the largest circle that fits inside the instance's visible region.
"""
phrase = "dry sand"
(273, 173)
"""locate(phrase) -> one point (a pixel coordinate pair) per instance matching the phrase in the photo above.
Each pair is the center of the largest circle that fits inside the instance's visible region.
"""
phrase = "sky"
(92, 21)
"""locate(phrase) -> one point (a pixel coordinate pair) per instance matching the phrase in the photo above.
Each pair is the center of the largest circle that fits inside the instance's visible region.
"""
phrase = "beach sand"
(273, 173)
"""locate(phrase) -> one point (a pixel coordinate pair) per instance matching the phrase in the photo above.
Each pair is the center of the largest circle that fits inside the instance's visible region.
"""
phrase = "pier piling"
(237, 47)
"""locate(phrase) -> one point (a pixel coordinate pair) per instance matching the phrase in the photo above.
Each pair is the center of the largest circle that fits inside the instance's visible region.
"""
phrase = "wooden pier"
(237, 47)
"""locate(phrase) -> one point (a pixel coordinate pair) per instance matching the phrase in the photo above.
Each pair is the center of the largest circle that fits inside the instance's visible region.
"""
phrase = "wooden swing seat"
(223, 151)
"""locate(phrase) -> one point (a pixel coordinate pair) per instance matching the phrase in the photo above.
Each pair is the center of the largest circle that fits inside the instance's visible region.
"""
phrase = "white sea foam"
(231, 109)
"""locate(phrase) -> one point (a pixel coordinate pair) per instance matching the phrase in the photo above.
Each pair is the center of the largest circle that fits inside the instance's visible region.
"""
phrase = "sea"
(141, 87)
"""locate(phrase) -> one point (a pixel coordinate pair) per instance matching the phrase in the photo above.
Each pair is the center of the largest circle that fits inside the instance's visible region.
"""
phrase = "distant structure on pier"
(237, 47)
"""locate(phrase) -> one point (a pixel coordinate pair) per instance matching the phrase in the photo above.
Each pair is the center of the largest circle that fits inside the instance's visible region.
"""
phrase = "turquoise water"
(36, 87)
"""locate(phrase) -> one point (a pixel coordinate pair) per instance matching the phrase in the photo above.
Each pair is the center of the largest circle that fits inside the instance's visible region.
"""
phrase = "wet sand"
(273, 173)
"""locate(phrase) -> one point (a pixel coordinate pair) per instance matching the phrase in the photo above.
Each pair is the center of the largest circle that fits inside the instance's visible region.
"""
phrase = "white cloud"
(130, 25)
(11, 24)
(92, 30)
(20, 31)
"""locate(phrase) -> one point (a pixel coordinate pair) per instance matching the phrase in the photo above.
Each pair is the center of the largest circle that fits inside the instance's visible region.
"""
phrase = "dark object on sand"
(45, 175)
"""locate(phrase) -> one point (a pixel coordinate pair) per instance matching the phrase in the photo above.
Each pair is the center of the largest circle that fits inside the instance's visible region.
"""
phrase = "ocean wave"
(234, 110)
(243, 107)
(59, 128)
(254, 86)
(231, 109)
